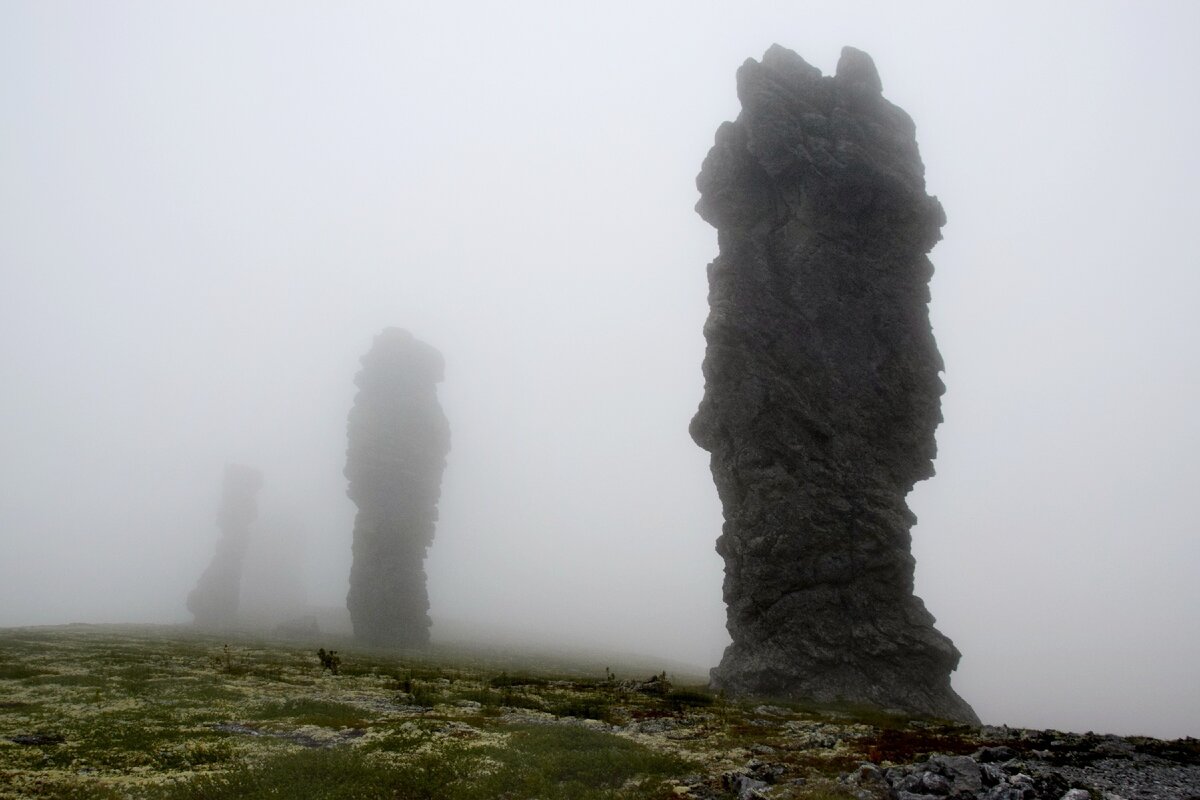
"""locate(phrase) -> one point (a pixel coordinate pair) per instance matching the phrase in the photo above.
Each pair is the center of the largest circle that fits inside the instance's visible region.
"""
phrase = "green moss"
(310, 711)
(585, 706)
(554, 763)
(573, 761)
(504, 680)
(205, 695)
(85, 680)
(10, 671)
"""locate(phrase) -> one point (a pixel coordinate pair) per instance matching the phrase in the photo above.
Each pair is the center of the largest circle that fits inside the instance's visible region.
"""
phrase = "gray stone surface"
(822, 390)
(398, 439)
(1051, 765)
(214, 601)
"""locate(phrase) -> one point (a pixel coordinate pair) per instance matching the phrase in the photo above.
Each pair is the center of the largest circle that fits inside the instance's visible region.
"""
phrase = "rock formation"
(214, 601)
(273, 590)
(398, 440)
(822, 389)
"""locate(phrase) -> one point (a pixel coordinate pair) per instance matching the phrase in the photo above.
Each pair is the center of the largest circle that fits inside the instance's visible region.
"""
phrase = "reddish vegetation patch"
(899, 746)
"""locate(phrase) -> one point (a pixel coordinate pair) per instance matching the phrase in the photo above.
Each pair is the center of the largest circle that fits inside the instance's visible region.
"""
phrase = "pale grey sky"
(207, 211)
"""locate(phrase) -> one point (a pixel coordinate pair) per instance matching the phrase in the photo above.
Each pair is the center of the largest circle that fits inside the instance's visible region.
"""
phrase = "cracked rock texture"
(398, 439)
(214, 601)
(821, 389)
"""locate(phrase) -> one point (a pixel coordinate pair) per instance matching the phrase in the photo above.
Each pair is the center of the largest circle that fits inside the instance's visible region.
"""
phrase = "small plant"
(223, 662)
(424, 695)
(329, 660)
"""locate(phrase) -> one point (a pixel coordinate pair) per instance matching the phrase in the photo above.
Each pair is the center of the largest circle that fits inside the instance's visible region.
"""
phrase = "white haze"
(207, 211)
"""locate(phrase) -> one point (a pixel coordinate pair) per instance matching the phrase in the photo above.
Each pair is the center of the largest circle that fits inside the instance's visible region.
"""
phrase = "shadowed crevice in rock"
(398, 439)
(821, 388)
(214, 601)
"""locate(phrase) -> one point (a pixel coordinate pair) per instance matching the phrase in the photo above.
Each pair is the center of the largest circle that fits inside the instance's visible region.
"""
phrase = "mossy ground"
(90, 711)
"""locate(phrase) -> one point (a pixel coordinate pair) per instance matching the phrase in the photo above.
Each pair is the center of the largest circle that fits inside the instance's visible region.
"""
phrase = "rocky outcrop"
(214, 601)
(398, 440)
(822, 389)
(1041, 765)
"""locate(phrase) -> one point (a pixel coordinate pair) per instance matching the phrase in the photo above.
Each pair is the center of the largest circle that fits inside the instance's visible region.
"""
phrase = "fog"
(208, 210)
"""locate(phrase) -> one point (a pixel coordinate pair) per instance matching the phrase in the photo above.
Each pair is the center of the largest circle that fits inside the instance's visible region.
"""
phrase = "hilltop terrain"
(164, 712)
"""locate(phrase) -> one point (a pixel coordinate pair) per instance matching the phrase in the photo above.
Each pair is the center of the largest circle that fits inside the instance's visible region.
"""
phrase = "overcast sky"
(208, 210)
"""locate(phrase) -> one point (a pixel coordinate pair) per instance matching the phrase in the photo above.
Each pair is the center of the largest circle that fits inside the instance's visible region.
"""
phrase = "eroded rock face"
(821, 388)
(214, 601)
(398, 440)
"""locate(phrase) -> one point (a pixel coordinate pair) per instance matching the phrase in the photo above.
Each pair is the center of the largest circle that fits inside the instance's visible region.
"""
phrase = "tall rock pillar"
(398, 438)
(821, 389)
(214, 601)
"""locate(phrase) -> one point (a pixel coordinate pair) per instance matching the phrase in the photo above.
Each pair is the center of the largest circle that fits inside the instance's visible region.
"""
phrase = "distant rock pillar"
(398, 439)
(821, 389)
(214, 601)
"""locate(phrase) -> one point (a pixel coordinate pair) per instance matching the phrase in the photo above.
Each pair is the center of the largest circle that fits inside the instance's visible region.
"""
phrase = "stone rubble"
(1080, 774)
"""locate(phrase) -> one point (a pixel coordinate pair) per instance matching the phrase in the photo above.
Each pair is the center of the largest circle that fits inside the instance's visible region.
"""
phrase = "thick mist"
(206, 215)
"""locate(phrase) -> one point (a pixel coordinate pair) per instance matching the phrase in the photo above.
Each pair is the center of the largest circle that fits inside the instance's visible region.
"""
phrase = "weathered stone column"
(821, 389)
(214, 601)
(398, 440)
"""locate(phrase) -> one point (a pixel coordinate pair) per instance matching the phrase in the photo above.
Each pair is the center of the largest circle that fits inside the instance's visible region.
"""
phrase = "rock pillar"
(214, 601)
(822, 390)
(398, 438)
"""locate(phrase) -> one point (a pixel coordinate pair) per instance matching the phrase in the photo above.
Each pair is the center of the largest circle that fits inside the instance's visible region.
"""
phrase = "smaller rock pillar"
(214, 601)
